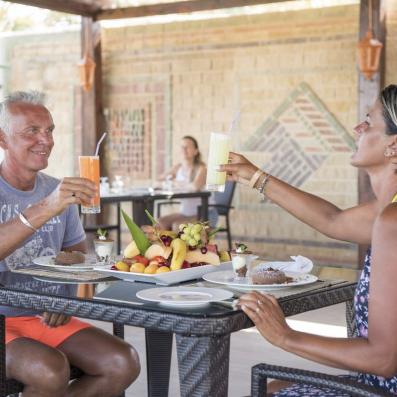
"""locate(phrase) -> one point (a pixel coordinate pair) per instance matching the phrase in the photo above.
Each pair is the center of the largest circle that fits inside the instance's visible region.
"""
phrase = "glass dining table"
(202, 332)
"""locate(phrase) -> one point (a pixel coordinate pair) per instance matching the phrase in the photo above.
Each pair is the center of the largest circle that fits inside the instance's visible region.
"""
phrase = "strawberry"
(159, 259)
(212, 248)
(141, 259)
(185, 265)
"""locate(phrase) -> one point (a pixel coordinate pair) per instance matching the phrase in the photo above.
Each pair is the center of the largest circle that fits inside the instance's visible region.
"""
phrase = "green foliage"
(151, 218)
(16, 17)
(101, 233)
(137, 234)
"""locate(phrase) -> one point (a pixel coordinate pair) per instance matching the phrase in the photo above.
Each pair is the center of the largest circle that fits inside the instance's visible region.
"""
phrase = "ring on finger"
(259, 302)
(258, 309)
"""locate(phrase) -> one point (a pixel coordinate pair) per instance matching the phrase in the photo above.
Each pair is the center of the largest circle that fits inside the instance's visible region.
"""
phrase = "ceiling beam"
(68, 6)
(177, 8)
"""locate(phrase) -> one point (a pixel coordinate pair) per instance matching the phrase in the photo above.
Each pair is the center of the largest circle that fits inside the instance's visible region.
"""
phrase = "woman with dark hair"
(189, 174)
(373, 353)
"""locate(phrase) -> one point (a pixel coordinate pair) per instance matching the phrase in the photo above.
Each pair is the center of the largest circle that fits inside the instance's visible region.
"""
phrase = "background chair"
(161, 204)
(261, 372)
(222, 205)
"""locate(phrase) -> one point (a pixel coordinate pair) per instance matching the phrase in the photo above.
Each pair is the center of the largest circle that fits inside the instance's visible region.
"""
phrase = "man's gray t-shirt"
(62, 231)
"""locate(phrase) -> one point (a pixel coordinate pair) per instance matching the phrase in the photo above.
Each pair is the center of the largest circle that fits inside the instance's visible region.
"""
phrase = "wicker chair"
(11, 387)
(261, 372)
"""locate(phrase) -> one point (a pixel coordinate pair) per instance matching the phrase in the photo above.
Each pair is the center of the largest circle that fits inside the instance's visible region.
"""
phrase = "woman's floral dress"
(361, 310)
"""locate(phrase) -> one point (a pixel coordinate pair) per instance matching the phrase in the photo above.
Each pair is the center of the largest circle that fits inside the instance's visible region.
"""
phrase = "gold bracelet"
(26, 222)
(255, 178)
(262, 186)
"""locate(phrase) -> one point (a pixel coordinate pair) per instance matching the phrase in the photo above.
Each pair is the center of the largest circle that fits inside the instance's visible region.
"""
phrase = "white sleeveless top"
(188, 205)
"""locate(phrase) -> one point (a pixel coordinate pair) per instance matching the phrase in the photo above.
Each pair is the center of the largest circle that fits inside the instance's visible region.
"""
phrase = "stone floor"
(250, 345)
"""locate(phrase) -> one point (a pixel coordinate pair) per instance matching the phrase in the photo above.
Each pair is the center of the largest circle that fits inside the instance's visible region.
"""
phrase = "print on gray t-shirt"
(61, 231)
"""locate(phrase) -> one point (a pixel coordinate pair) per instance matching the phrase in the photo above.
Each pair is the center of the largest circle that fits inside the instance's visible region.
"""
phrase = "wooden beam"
(68, 6)
(368, 91)
(92, 119)
(177, 8)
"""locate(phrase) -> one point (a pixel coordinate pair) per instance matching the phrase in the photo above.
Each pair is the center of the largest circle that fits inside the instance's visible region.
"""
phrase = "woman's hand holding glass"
(239, 169)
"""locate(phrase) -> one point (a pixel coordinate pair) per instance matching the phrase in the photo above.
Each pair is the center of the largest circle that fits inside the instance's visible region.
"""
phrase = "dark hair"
(388, 99)
(197, 158)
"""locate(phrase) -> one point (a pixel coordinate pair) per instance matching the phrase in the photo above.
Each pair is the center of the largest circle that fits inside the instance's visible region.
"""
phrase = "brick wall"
(47, 63)
(391, 44)
(192, 77)
(209, 69)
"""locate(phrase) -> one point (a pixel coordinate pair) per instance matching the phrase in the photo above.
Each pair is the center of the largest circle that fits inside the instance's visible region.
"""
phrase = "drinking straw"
(99, 143)
(236, 118)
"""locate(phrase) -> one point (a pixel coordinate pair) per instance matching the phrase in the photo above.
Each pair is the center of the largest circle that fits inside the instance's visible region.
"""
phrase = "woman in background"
(189, 174)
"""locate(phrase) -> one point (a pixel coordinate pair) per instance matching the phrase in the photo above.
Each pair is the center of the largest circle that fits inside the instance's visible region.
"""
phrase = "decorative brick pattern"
(299, 135)
(137, 119)
(128, 144)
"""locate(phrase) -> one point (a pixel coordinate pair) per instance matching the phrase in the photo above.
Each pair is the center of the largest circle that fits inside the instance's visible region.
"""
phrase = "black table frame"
(203, 341)
(146, 201)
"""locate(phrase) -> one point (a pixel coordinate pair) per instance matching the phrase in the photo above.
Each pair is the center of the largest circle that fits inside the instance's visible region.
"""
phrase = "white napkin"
(300, 264)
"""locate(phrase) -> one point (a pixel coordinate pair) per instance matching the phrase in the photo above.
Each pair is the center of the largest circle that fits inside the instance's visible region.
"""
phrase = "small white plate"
(173, 277)
(49, 261)
(184, 296)
(227, 277)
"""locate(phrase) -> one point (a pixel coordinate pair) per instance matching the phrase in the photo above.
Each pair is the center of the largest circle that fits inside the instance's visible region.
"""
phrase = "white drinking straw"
(234, 121)
(99, 143)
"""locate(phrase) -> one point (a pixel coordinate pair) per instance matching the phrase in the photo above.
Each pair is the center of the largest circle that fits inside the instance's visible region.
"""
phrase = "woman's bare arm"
(353, 224)
(171, 173)
(198, 182)
(376, 353)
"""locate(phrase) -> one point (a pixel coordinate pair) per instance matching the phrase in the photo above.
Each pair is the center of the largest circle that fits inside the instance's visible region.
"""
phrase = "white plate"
(173, 277)
(227, 277)
(49, 261)
(184, 296)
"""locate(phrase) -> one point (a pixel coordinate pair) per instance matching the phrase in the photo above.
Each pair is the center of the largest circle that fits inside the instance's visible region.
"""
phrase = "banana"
(167, 233)
(178, 253)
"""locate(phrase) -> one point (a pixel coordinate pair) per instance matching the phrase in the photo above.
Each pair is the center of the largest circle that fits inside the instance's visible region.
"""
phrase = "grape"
(187, 230)
(197, 228)
(192, 242)
(197, 236)
(184, 237)
(204, 250)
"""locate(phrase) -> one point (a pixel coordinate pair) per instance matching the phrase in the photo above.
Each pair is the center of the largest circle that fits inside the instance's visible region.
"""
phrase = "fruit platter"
(166, 257)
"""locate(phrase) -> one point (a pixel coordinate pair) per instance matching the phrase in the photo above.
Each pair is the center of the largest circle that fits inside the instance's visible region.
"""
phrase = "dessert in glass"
(241, 258)
(103, 246)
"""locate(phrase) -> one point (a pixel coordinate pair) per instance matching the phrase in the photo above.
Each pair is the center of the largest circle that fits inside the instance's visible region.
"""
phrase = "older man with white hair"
(39, 216)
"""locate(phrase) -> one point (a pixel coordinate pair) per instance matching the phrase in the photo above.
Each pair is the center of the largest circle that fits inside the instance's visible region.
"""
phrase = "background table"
(144, 199)
(141, 199)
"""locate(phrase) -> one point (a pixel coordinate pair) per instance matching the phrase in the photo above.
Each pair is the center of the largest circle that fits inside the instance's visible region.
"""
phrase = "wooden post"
(92, 120)
(368, 91)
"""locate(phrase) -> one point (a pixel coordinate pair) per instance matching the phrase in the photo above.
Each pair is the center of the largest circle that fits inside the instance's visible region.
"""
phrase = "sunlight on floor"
(313, 328)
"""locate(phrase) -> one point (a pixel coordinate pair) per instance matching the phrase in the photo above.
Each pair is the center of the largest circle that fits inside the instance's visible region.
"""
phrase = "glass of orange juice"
(89, 168)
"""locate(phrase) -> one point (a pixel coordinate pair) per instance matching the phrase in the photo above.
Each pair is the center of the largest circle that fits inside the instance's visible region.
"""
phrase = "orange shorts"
(33, 328)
